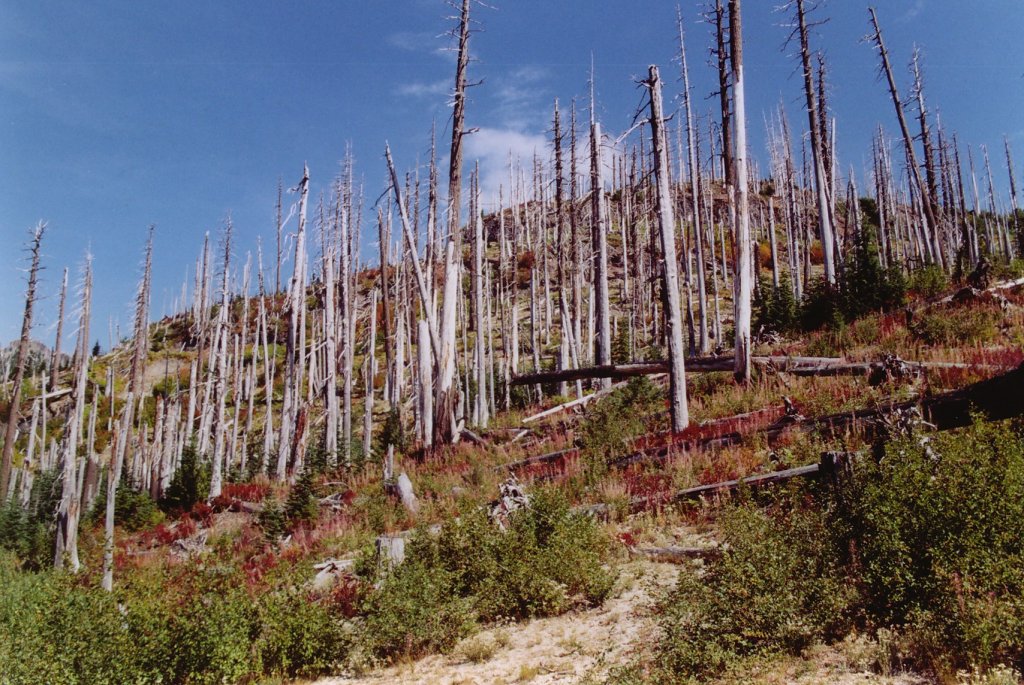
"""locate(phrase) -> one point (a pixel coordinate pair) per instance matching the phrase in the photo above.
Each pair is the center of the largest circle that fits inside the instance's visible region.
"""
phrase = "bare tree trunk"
(599, 222)
(71, 500)
(444, 424)
(219, 369)
(19, 365)
(294, 351)
(55, 364)
(931, 222)
(368, 373)
(479, 248)
(118, 447)
(744, 269)
(666, 227)
(702, 297)
(825, 227)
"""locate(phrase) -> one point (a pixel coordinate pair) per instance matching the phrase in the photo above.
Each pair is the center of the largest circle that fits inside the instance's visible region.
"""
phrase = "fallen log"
(580, 401)
(798, 366)
(548, 458)
(999, 397)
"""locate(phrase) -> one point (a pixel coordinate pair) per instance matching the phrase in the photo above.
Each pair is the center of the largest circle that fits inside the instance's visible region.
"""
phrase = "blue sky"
(116, 115)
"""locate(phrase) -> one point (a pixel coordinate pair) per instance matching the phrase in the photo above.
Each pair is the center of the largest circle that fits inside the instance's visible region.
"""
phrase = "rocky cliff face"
(38, 356)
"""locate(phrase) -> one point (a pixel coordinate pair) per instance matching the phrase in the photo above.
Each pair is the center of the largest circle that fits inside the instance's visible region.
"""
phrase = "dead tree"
(669, 265)
(931, 221)
(11, 432)
(294, 349)
(219, 369)
(744, 268)
(71, 501)
(704, 345)
(825, 227)
(55, 364)
(444, 423)
(479, 249)
(599, 224)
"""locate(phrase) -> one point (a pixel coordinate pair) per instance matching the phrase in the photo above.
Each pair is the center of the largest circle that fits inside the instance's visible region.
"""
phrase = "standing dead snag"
(825, 228)
(294, 352)
(219, 369)
(691, 146)
(444, 423)
(744, 269)
(479, 248)
(931, 222)
(19, 365)
(599, 223)
(71, 501)
(670, 273)
(55, 364)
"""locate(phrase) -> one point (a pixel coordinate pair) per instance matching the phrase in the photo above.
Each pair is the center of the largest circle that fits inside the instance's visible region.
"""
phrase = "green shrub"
(272, 520)
(777, 587)
(822, 306)
(190, 484)
(938, 544)
(928, 281)
(924, 543)
(549, 559)
(775, 309)
(133, 509)
(302, 505)
(610, 424)
(29, 533)
(957, 326)
(298, 637)
(415, 611)
(199, 626)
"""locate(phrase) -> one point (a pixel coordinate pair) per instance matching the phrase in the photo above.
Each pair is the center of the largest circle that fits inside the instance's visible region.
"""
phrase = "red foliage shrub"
(203, 513)
(259, 565)
(246, 492)
(346, 596)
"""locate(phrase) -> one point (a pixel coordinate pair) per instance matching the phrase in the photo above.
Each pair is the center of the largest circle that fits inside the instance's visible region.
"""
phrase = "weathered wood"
(7, 459)
(669, 269)
(996, 398)
(799, 366)
(548, 458)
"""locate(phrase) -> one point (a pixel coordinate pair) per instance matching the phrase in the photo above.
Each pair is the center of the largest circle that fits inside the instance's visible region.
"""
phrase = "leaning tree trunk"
(931, 222)
(19, 365)
(670, 275)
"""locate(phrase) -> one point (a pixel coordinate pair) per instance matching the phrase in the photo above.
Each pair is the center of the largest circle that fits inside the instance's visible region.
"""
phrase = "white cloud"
(413, 41)
(491, 147)
(916, 9)
(520, 100)
(425, 89)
